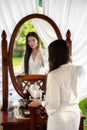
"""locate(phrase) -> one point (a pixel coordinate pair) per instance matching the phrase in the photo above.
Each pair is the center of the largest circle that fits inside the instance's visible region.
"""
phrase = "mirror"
(46, 34)
(37, 19)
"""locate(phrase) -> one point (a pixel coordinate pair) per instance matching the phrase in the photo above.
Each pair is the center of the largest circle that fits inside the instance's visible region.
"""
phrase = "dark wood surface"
(81, 123)
(4, 71)
(36, 122)
(9, 122)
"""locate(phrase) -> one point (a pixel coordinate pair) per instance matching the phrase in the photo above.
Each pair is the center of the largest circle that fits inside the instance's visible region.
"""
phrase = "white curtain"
(67, 14)
(72, 14)
(11, 12)
(45, 31)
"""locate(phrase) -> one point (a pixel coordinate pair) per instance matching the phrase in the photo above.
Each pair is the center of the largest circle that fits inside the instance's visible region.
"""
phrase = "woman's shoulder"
(78, 69)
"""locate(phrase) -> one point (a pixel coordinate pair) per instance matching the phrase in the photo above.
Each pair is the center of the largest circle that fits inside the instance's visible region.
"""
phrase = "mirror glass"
(46, 34)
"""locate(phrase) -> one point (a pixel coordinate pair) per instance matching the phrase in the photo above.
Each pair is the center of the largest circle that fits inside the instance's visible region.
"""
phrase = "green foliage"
(19, 46)
(19, 50)
(83, 106)
(17, 61)
(25, 28)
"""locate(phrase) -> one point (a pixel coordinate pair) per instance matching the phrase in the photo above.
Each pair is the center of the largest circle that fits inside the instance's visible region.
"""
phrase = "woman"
(62, 93)
(33, 58)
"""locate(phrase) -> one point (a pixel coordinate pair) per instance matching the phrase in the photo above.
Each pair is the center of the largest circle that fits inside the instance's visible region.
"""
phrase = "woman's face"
(32, 42)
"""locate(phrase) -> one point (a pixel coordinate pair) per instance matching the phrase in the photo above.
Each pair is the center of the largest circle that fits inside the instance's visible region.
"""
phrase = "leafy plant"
(83, 106)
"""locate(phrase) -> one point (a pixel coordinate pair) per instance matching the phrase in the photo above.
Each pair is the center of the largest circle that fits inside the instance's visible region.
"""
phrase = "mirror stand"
(6, 62)
(4, 71)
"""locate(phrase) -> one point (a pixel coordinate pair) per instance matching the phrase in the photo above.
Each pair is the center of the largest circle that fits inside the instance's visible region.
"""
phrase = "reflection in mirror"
(46, 34)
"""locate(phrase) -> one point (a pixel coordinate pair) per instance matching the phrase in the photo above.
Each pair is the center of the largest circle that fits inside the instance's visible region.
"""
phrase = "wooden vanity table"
(36, 121)
(9, 122)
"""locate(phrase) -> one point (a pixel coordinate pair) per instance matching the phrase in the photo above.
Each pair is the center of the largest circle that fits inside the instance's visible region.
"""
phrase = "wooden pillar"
(69, 43)
(4, 72)
(33, 118)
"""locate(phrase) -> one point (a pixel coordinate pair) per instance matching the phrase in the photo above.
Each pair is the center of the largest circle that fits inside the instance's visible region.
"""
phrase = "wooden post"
(69, 43)
(4, 72)
(33, 118)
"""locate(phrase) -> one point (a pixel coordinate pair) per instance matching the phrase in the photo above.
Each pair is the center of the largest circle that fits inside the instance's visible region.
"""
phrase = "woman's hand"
(35, 103)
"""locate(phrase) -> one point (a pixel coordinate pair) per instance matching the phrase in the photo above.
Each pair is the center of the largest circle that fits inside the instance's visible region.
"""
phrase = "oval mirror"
(47, 30)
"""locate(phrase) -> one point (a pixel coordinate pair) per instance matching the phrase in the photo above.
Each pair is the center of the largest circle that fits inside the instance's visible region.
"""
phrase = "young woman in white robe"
(62, 93)
(34, 60)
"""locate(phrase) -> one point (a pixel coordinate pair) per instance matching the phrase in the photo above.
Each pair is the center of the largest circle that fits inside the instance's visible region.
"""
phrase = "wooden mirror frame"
(12, 41)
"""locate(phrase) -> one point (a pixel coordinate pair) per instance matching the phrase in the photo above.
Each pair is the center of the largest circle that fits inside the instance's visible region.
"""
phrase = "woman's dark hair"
(28, 51)
(58, 54)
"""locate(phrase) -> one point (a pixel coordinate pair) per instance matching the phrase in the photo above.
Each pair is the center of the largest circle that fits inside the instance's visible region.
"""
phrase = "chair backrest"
(24, 81)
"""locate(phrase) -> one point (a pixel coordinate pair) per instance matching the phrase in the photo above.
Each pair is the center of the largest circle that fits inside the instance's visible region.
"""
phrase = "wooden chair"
(26, 80)
(38, 116)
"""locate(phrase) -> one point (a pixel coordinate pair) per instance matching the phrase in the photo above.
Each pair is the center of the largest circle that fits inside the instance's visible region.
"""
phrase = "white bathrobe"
(62, 97)
(36, 66)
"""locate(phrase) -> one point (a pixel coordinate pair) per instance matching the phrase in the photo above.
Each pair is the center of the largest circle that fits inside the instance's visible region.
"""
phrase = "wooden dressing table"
(9, 122)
